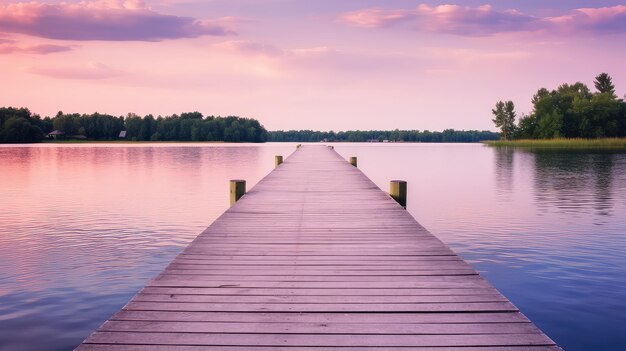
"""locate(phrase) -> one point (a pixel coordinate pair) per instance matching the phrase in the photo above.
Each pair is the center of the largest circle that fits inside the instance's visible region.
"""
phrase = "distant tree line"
(20, 126)
(447, 136)
(193, 126)
(570, 111)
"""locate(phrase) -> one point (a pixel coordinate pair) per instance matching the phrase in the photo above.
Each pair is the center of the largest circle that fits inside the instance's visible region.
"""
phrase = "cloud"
(377, 18)
(603, 20)
(452, 19)
(102, 20)
(33, 49)
(485, 20)
(91, 71)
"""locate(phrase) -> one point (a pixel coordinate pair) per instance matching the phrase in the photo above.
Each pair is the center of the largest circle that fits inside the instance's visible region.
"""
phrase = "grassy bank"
(577, 143)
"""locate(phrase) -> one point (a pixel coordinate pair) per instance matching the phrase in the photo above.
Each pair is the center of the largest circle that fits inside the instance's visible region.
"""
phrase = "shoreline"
(83, 141)
(78, 141)
(562, 143)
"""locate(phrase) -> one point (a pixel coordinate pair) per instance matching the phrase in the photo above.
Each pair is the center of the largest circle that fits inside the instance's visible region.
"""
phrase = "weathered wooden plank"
(319, 340)
(364, 266)
(165, 281)
(344, 279)
(313, 299)
(319, 328)
(316, 257)
(266, 317)
(317, 292)
(283, 267)
(305, 252)
(322, 307)
(306, 273)
(251, 259)
(118, 347)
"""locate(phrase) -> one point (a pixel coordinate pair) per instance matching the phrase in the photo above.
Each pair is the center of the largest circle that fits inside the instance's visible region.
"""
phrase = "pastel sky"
(323, 64)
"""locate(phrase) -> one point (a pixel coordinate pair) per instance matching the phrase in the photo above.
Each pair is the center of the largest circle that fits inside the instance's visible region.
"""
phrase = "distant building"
(56, 134)
(122, 134)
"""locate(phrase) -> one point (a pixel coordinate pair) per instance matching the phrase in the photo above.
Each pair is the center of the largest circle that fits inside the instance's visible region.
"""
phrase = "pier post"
(237, 190)
(278, 160)
(397, 190)
(353, 160)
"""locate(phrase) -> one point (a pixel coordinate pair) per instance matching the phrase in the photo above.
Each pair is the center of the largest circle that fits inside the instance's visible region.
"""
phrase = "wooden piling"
(397, 190)
(278, 159)
(237, 190)
(353, 161)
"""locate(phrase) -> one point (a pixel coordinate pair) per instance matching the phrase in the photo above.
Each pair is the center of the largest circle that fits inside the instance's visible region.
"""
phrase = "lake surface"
(83, 227)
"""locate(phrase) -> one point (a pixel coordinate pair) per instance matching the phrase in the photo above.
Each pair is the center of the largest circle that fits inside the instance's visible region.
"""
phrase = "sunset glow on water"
(84, 227)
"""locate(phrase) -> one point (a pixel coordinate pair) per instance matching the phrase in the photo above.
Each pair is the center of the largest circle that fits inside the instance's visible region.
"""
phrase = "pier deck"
(317, 257)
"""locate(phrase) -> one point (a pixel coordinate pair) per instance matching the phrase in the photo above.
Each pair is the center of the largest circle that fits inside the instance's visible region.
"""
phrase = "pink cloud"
(102, 20)
(485, 20)
(33, 49)
(603, 20)
(453, 19)
(377, 18)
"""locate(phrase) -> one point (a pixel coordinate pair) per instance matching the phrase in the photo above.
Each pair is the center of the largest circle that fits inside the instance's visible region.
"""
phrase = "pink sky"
(305, 64)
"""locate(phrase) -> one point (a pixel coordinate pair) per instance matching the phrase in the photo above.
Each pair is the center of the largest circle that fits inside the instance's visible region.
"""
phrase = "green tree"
(510, 115)
(20, 130)
(504, 118)
(549, 126)
(572, 110)
(604, 84)
(187, 126)
(145, 131)
(133, 123)
(527, 127)
(68, 124)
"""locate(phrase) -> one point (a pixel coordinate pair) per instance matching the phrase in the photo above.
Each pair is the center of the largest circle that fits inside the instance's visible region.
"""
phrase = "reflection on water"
(84, 226)
(547, 228)
(575, 181)
(504, 169)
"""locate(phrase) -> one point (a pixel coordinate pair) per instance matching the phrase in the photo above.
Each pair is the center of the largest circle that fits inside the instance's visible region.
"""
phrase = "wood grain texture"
(316, 257)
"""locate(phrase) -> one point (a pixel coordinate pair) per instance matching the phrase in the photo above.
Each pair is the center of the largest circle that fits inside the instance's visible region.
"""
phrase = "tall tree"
(604, 84)
(509, 114)
(504, 118)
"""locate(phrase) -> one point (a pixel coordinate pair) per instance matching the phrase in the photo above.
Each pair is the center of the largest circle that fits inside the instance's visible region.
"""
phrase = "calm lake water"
(83, 227)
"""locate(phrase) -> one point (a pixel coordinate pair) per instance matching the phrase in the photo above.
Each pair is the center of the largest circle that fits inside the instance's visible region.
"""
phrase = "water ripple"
(85, 226)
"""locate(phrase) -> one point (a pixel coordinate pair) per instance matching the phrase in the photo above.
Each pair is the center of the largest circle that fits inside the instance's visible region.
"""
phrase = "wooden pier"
(317, 257)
